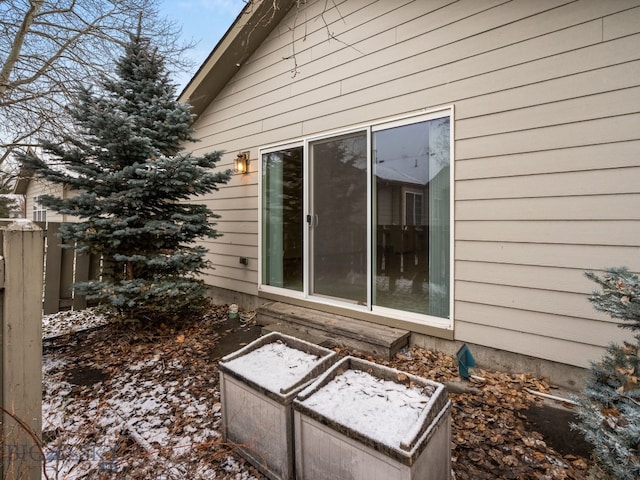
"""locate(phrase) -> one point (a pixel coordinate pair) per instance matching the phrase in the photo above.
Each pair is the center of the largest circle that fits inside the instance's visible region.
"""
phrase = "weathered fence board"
(88, 267)
(52, 281)
(22, 247)
(64, 267)
(22, 269)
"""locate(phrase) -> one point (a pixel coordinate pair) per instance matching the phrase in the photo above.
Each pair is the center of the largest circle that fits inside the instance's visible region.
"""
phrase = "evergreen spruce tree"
(609, 411)
(8, 204)
(134, 186)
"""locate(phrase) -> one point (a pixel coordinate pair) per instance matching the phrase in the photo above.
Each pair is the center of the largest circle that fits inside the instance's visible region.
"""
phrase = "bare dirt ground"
(123, 402)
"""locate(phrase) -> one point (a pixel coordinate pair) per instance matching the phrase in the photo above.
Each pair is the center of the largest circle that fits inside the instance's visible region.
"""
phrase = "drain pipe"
(466, 362)
(551, 397)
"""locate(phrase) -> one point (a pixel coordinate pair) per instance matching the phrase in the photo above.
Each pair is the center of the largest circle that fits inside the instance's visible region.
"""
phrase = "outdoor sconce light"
(241, 164)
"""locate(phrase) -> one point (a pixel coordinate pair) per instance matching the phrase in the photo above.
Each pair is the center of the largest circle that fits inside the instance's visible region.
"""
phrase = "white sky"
(204, 22)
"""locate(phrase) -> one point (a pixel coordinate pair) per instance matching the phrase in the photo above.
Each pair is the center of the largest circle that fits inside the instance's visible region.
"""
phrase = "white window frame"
(270, 288)
(370, 128)
(39, 212)
(416, 193)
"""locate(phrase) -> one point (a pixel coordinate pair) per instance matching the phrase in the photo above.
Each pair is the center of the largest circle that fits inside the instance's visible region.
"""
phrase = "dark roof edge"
(24, 176)
(254, 23)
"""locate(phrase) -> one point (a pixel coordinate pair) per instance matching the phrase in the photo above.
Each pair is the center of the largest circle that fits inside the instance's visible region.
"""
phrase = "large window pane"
(282, 219)
(339, 218)
(411, 199)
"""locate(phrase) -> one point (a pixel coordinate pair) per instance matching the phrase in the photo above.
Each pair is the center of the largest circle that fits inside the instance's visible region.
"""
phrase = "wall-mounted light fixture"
(241, 165)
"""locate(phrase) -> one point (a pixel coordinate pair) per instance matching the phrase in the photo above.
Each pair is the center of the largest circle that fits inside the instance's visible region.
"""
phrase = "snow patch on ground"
(140, 421)
(71, 321)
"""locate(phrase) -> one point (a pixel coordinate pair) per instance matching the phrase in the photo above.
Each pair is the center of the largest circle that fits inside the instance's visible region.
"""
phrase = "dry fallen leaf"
(490, 439)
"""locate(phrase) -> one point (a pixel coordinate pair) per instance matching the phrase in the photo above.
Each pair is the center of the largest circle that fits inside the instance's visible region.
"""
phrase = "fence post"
(21, 367)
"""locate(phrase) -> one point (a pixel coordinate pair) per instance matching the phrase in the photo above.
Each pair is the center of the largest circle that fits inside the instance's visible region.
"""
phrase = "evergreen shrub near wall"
(134, 186)
(609, 410)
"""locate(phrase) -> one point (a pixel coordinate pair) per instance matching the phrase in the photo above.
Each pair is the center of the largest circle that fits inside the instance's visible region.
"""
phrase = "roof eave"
(251, 27)
(21, 186)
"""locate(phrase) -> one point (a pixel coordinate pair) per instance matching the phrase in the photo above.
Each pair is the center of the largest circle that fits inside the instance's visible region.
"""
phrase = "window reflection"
(409, 226)
(282, 225)
(339, 208)
(412, 168)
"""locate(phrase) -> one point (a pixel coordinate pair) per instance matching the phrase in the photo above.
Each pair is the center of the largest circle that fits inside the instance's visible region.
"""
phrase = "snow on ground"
(144, 404)
(71, 321)
(137, 415)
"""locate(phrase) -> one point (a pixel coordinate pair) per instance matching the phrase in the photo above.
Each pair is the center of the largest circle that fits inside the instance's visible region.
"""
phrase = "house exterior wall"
(39, 187)
(546, 99)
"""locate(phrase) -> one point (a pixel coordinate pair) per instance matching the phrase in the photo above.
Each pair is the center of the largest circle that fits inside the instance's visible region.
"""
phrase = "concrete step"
(366, 337)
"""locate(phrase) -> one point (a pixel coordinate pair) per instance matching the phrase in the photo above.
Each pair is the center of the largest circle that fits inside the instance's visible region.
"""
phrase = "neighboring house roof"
(248, 31)
(414, 171)
(22, 184)
(24, 177)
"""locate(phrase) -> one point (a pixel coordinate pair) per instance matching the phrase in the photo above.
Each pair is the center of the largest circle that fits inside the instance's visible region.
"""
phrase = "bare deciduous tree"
(51, 48)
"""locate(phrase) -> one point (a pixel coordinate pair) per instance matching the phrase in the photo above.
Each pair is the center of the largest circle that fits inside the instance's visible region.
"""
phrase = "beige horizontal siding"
(238, 273)
(315, 74)
(565, 43)
(231, 282)
(233, 262)
(563, 89)
(240, 186)
(521, 298)
(235, 215)
(236, 143)
(570, 256)
(556, 349)
(410, 90)
(38, 187)
(590, 182)
(571, 159)
(621, 24)
(592, 207)
(568, 328)
(575, 232)
(547, 116)
(230, 238)
(592, 132)
(230, 250)
(237, 226)
(526, 276)
(608, 104)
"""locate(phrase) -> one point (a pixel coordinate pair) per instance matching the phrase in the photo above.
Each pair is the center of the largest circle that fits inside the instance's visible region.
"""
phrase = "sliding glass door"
(337, 218)
(363, 218)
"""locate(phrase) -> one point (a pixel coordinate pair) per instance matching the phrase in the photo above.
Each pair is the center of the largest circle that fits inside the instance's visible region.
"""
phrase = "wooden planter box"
(257, 386)
(365, 421)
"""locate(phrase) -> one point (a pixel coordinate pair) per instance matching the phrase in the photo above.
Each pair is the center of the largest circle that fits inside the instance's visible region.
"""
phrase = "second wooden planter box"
(365, 421)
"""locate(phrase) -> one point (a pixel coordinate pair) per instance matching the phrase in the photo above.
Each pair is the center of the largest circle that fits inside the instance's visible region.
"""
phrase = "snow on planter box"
(257, 386)
(360, 420)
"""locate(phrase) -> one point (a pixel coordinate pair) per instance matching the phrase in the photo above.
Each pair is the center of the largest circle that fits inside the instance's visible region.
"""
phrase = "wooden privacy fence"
(63, 268)
(21, 270)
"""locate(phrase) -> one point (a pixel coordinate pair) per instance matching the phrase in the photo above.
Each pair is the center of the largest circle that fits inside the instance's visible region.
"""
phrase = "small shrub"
(609, 410)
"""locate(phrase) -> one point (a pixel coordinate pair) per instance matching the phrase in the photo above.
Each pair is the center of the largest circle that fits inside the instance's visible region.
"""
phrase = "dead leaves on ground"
(177, 362)
(490, 436)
